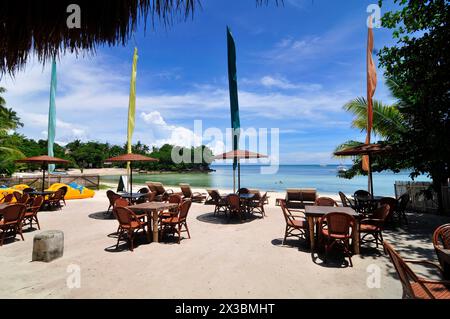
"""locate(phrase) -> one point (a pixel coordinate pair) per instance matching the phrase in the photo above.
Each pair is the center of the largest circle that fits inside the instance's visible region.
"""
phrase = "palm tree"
(388, 124)
(8, 121)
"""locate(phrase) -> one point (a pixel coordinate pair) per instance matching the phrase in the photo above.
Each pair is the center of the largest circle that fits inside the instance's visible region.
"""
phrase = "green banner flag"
(234, 103)
(52, 116)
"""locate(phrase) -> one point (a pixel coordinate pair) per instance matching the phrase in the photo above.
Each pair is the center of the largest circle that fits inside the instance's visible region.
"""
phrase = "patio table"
(313, 213)
(152, 209)
(40, 193)
(132, 197)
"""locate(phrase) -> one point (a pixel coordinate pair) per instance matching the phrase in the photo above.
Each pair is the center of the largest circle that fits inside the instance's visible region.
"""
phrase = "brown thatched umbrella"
(238, 154)
(40, 27)
(366, 149)
(131, 158)
(44, 160)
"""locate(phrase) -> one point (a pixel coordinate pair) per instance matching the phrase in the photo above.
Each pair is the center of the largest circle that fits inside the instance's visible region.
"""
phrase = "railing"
(422, 197)
(89, 181)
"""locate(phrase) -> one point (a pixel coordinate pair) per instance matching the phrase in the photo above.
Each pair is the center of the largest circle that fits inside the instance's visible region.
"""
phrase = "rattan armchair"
(296, 225)
(175, 224)
(12, 221)
(337, 227)
(415, 287)
(129, 224)
(441, 242)
(31, 212)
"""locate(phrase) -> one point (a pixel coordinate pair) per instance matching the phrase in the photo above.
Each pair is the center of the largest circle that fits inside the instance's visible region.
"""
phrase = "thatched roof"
(39, 27)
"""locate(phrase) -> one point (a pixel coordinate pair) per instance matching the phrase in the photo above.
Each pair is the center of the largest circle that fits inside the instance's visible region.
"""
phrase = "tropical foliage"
(388, 124)
(419, 65)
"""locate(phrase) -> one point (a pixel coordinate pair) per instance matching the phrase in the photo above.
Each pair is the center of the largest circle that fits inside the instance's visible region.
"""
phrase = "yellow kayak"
(74, 191)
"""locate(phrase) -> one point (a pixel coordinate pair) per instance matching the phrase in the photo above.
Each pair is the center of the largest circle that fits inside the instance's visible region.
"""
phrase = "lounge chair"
(161, 193)
(298, 198)
(193, 196)
(414, 286)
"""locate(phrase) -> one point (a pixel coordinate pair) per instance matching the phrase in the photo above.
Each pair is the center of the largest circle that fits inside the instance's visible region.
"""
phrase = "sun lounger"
(189, 194)
(298, 198)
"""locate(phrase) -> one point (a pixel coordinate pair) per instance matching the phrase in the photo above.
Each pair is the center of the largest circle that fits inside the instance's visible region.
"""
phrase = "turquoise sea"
(323, 178)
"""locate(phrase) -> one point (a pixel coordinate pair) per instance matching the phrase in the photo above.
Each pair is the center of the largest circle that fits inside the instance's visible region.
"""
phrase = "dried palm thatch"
(39, 27)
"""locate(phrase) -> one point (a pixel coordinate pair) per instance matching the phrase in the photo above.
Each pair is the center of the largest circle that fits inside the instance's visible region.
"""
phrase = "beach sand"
(222, 260)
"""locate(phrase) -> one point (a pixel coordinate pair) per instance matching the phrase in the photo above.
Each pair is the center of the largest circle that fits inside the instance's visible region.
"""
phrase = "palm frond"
(387, 120)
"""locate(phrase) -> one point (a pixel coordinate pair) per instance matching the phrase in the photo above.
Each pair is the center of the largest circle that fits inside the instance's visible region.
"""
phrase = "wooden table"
(152, 209)
(313, 213)
(40, 193)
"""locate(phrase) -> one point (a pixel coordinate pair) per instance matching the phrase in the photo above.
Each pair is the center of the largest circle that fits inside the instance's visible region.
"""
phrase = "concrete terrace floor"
(222, 260)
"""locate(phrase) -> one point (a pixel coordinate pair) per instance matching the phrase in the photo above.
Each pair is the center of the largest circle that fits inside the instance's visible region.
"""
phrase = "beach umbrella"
(237, 155)
(234, 102)
(52, 116)
(130, 158)
(44, 160)
(366, 150)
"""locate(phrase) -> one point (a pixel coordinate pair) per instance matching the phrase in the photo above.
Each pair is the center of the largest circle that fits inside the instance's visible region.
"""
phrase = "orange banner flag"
(371, 86)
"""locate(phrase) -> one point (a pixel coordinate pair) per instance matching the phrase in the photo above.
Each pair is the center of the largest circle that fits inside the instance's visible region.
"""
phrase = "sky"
(298, 64)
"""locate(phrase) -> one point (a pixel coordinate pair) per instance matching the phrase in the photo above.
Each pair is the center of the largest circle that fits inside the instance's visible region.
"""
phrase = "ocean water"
(323, 178)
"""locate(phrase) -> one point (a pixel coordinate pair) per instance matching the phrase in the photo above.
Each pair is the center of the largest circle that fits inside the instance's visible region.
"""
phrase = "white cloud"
(279, 82)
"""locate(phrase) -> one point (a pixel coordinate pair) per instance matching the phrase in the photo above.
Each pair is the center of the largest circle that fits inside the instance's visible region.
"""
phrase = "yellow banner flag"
(132, 101)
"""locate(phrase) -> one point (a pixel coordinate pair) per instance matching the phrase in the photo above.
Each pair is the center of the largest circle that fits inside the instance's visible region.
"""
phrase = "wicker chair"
(392, 202)
(8, 198)
(326, 201)
(162, 194)
(296, 225)
(257, 205)
(172, 199)
(12, 221)
(402, 205)
(112, 197)
(54, 200)
(23, 199)
(413, 286)
(374, 225)
(17, 196)
(219, 202)
(64, 192)
(337, 227)
(129, 224)
(31, 212)
(346, 202)
(234, 206)
(441, 242)
(175, 224)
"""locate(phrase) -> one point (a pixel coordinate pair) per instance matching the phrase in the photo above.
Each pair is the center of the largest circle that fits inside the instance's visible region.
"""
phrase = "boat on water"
(341, 169)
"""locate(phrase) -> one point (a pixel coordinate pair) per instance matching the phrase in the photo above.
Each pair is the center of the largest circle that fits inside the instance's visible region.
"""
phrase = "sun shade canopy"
(365, 149)
(131, 158)
(43, 159)
(39, 27)
(239, 154)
